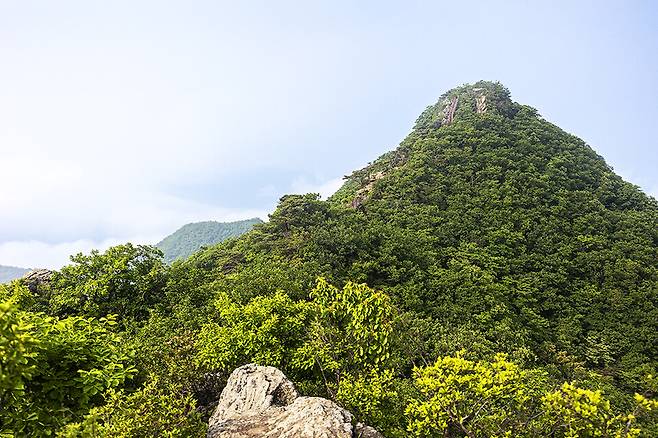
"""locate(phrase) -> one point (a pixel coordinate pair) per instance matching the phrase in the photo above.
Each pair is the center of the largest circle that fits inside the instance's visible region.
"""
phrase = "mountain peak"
(482, 97)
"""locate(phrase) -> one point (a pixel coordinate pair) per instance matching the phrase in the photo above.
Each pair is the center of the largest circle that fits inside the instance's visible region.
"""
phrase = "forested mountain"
(8, 273)
(492, 276)
(189, 238)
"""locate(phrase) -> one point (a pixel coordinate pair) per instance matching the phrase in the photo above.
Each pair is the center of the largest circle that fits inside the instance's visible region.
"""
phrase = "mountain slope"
(8, 273)
(488, 230)
(504, 231)
(189, 238)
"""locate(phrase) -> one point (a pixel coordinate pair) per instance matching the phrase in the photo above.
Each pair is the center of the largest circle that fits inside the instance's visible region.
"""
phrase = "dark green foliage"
(191, 237)
(126, 280)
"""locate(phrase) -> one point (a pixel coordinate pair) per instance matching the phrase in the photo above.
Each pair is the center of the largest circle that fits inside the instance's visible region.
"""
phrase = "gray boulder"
(37, 278)
(261, 402)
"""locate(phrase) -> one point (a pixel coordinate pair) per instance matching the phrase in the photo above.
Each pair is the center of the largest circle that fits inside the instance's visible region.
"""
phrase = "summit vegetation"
(491, 277)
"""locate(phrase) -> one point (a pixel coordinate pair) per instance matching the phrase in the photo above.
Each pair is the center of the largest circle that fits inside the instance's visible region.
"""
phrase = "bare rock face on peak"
(260, 401)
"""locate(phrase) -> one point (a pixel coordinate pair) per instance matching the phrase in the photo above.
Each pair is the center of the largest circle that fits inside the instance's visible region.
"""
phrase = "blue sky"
(124, 120)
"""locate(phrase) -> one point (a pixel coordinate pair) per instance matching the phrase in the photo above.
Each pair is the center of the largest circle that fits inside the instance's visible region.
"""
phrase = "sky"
(122, 121)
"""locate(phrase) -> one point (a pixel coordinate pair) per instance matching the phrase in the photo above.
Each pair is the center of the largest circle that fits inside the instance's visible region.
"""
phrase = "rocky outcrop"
(449, 111)
(363, 192)
(261, 402)
(33, 280)
(481, 104)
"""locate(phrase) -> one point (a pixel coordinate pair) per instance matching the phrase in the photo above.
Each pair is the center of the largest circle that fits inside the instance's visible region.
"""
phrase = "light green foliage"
(500, 399)
(267, 330)
(17, 354)
(353, 328)
(351, 342)
(54, 370)
(576, 412)
(126, 280)
(339, 343)
(153, 411)
(166, 351)
(469, 398)
(18, 294)
(364, 394)
(338, 331)
(378, 398)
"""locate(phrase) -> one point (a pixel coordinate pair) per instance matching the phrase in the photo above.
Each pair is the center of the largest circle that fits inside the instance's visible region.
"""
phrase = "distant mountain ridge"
(9, 273)
(191, 237)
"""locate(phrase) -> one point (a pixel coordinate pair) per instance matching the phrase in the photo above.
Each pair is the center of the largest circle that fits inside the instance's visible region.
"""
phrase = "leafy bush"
(267, 330)
(498, 398)
(125, 280)
(154, 411)
(54, 370)
(17, 354)
(469, 398)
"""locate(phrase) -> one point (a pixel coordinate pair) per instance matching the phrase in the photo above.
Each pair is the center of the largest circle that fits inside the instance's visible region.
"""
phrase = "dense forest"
(492, 276)
(191, 237)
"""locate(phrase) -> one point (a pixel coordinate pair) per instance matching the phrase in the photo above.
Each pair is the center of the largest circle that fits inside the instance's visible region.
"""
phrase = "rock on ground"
(261, 402)
(34, 279)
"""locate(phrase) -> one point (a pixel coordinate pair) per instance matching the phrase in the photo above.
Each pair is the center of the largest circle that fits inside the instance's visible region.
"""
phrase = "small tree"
(352, 330)
(156, 410)
(125, 280)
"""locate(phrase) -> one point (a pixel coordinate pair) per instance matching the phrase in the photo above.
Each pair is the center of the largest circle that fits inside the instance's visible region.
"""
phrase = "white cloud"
(90, 150)
(325, 189)
(35, 254)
